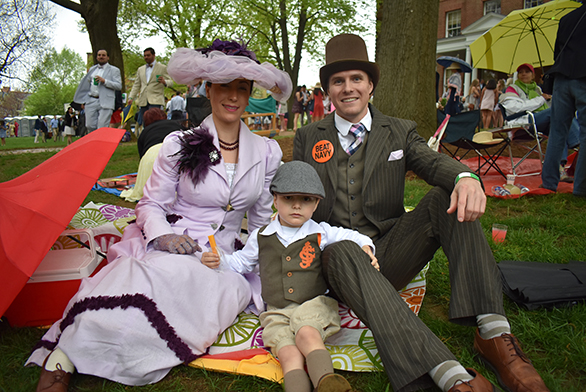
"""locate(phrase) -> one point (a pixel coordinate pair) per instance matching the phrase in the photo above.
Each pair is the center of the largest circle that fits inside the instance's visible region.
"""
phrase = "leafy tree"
(285, 30)
(23, 28)
(184, 23)
(100, 20)
(54, 81)
(279, 31)
(405, 52)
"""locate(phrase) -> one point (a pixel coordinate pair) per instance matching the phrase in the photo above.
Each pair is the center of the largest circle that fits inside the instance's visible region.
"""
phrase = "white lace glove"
(175, 243)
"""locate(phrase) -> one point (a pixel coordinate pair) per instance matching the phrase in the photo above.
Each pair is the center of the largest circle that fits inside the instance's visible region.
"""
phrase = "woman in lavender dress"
(155, 306)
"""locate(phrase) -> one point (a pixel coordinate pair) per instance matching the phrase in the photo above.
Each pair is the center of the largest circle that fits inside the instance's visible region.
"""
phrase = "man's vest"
(348, 210)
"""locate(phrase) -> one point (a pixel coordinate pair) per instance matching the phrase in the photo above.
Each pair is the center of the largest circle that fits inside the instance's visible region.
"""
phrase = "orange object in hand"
(213, 245)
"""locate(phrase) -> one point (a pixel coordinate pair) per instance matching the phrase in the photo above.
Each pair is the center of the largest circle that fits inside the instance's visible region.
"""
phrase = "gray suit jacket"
(393, 148)
(106, 90)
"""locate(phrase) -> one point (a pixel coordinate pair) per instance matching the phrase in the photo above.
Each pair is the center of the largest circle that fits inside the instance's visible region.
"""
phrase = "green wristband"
(464, 175)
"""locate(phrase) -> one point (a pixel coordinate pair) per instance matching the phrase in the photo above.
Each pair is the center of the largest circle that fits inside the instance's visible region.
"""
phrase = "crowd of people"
(340, 233)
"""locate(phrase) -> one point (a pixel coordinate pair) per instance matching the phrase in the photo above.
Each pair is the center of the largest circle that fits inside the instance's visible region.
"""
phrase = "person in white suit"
(149, 85)
(97, 90)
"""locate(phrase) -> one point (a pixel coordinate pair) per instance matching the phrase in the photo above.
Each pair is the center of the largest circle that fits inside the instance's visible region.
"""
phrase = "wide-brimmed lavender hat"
(225, 61)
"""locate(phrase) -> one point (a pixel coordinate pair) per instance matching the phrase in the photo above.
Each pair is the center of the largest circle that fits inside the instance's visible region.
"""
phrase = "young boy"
(299, 317)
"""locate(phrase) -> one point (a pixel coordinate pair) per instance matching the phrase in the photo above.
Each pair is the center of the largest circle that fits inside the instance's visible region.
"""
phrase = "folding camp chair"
(520, 134)
(460, 133)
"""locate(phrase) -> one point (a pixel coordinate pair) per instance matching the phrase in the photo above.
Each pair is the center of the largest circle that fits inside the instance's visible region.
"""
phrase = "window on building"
(453, 23)
(532, 3)
(492, 6)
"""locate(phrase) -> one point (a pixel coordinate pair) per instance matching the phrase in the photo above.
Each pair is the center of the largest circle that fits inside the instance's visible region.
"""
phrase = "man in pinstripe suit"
(361, 157)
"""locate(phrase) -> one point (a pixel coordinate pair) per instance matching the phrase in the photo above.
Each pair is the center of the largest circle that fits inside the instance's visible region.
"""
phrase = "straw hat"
(346, 52)
(485, 137)
(454, 66)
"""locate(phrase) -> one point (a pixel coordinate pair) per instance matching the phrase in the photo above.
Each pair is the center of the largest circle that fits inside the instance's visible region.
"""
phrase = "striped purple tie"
(358, 131)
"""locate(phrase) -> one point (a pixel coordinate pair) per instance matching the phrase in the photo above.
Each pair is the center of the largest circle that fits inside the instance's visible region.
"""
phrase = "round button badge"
(322, 151)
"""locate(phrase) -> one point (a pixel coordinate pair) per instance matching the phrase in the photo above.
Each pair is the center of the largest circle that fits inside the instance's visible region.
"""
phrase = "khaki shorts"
(281, 324)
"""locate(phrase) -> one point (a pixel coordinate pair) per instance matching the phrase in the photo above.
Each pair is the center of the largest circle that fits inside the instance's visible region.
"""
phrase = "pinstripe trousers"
(408, 349)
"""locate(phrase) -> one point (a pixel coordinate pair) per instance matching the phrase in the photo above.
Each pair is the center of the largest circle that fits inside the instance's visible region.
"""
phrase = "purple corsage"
(197, 153)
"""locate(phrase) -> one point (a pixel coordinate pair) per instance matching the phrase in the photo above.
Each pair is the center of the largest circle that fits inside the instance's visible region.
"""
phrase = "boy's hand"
(374, 260)
(210, 260)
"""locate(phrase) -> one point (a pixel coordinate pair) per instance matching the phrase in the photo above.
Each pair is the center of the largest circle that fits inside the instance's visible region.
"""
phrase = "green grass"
(549, 228)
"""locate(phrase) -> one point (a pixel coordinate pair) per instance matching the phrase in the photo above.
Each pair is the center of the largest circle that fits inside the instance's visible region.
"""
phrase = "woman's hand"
(175, 243)
(210, 260)
(374, 260)
(546, 96)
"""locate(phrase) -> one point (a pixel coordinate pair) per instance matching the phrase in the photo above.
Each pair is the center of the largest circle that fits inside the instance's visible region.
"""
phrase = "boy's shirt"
(245, 260)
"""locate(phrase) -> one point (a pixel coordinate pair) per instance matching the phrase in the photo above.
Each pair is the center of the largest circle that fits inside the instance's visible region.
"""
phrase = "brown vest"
(348, 210)
(290, 274)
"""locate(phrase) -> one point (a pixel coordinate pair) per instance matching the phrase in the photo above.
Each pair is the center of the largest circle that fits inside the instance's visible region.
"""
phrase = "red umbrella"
(36, 207)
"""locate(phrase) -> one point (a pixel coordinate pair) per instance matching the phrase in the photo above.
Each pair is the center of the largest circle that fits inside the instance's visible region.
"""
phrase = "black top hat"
(346, 52)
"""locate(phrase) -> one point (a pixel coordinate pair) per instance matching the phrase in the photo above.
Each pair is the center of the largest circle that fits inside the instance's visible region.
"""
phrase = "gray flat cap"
(297, 177)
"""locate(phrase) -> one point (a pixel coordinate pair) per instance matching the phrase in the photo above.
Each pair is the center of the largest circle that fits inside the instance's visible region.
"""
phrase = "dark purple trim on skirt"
(138, 301)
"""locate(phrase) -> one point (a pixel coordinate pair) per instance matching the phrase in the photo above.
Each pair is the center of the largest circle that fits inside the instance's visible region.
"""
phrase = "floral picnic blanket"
(239, 349)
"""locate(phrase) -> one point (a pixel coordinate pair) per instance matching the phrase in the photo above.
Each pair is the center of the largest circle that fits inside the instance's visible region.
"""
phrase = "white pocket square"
(396, 155)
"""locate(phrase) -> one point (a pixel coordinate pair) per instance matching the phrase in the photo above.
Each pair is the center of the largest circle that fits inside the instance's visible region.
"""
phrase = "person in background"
(3, 132)
(317, 96)
(45, 128)
(452, 106)
(299, 319)
(297, 108)
(282, 113)
(525, 95)
(488, 100)
(97, 92)
(150, 141)
(568, 100)
(473, 98)
(11, 127)
(150, 83)
(497, 115)
(55, 128)
(69, 125)
(177, 107)
(305, 105)
(116, 119)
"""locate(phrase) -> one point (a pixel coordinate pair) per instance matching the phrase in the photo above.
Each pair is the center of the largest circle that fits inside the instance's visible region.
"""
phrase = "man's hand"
(373, 260)
(468, 199)
(210, 260)
(161, 79)
(101, 79)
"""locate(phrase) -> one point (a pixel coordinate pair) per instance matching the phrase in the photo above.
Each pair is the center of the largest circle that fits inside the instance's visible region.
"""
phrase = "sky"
(66, 33)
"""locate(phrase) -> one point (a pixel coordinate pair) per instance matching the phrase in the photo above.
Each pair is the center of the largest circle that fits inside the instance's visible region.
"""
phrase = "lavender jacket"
(203, 207)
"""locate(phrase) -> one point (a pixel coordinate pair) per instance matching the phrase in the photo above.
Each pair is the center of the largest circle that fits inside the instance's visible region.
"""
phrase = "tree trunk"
(405, 52)
(100, 21)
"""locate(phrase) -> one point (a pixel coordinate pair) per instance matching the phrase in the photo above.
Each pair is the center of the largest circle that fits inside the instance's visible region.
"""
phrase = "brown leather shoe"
(513, 369)
(333, 383)
(477, 384)
(55, 381)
